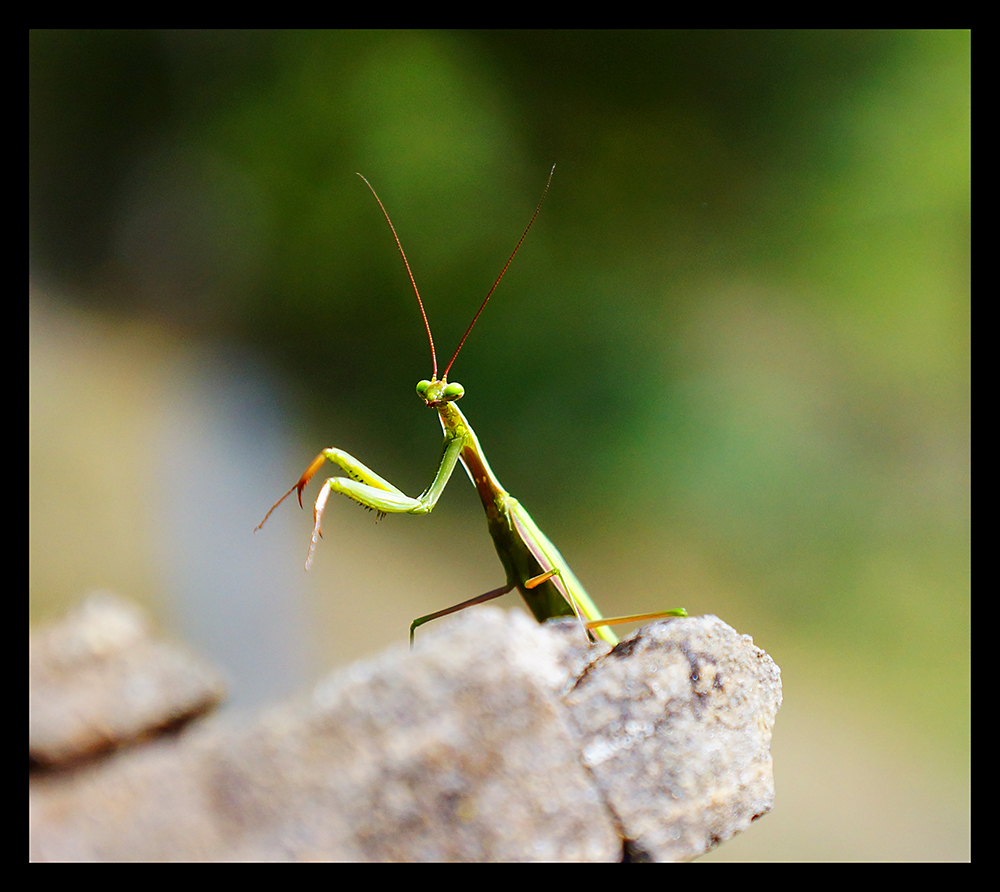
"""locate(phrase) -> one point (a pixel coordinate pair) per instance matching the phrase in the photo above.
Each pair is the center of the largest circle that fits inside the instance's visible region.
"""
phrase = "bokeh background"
(729, 368)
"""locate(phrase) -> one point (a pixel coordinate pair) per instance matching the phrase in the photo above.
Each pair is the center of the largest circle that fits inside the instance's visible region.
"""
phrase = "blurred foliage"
(738, 334)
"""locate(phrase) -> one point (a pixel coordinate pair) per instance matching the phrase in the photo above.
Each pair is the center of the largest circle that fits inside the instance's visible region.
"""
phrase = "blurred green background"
(729, 368)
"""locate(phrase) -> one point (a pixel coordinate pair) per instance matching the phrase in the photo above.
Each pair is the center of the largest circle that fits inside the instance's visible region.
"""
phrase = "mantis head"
(436, 393)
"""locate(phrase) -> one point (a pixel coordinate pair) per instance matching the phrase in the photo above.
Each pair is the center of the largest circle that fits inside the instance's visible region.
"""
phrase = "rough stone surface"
(676, 729)
(495, 740)
(97, 680)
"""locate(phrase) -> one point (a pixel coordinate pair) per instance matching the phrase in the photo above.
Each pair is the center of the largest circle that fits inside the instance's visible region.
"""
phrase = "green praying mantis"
(532, 563)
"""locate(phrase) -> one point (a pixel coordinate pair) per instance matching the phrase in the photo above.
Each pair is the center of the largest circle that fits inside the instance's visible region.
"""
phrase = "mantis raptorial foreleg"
(369, 489)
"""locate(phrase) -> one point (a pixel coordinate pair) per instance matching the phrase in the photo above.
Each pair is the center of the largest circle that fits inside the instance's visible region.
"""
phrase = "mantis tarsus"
(533, 564)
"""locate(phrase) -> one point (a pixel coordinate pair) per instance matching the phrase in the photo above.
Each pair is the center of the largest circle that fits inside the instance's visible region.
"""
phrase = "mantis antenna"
(489, 294)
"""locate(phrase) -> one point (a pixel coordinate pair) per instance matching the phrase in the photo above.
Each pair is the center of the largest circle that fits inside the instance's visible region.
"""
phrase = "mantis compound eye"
(453, 391)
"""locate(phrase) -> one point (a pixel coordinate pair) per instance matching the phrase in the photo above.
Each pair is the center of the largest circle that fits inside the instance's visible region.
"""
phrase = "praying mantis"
(533, 565)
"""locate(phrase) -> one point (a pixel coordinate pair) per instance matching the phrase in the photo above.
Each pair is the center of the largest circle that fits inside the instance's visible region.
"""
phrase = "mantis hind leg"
(479, 599)
(635, 618)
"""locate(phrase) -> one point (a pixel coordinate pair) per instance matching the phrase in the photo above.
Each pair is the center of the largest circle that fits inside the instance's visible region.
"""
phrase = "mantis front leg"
(369, 489)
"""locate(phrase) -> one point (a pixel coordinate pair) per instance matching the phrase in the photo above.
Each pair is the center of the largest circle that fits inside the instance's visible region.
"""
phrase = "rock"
(496, 739)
